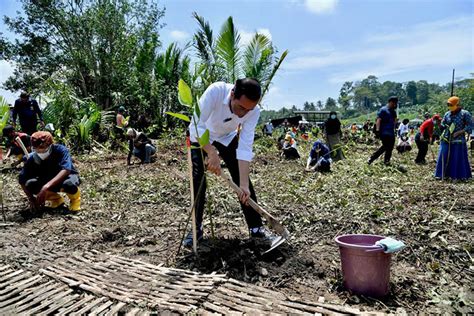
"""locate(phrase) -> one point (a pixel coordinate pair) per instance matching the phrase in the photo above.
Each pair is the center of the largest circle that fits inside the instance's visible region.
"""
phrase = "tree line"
(366, 96)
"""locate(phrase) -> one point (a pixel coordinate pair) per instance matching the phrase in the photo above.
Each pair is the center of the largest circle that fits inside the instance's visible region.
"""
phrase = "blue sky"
(331, 41)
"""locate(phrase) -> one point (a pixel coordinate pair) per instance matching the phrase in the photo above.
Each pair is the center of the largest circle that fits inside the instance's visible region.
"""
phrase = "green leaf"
(204, 139)
(452, 127)
(185, 95)
(197, 110)
(180, 116)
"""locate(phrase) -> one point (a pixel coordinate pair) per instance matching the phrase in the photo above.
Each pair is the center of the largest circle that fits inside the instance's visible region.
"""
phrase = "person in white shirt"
(403, 128)
(268, 128)
(224, 107)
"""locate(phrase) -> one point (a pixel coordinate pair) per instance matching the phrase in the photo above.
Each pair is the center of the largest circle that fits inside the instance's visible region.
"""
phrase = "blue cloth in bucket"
(390, 245)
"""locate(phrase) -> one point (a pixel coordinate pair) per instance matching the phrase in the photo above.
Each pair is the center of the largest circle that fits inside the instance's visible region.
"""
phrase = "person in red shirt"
(424, 136)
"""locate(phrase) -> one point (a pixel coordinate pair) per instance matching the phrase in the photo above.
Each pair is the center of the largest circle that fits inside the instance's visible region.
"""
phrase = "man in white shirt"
(225, 107)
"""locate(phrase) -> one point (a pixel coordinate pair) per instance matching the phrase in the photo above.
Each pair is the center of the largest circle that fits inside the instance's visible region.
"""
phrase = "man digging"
(223, 108)
(49, 170)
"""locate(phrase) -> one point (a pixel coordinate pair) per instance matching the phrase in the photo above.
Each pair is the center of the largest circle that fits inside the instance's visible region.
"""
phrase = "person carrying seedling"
(319, 158)
(385, 130)
(223, 107)
(13, 145)
(140, 146)
(289, 150)
(49, 170)
(28, 111)
(453, 160)
(425, 136)
(122, 122)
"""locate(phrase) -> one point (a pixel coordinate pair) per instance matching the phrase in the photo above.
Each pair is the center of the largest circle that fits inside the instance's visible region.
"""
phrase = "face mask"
(333, 117)
(44, 155)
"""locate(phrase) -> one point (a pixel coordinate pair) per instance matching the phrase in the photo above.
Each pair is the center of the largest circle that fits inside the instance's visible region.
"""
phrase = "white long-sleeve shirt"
(222, 123)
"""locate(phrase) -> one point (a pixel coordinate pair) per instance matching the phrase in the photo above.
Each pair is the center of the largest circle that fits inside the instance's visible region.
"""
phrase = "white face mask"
(333, 117)
(44, 155)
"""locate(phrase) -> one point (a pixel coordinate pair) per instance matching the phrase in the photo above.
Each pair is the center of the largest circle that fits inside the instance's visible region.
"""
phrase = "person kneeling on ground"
(404, 143)
(140, 146)
(289, 150)
(319, 158)
(49, 170)
(14, 148)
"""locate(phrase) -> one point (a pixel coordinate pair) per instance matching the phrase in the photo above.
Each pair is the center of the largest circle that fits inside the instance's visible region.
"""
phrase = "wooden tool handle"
(18, 139)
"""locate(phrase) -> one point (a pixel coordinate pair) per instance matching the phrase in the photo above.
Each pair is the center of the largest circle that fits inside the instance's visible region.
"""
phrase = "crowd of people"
(230, 113)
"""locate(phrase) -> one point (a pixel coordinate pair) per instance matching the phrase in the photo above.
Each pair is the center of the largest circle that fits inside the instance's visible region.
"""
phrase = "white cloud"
(438, 43)
(179, 35)
(321, 6)
(6, 70)
(246, 37)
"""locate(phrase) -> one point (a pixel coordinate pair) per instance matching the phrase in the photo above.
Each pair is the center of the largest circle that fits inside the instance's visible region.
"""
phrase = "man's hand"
(461, 132)
(214, 163)
(42, 124)
(422, 138)
(33, 203)
(244, 195)
(41, 196)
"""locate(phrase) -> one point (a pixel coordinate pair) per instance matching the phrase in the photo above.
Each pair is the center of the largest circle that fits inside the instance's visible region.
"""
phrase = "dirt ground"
(141, 211)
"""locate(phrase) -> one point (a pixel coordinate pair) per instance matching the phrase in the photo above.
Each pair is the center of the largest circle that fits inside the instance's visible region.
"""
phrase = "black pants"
(387, 147)
(229, 155)
(70, 185)
(422, 149)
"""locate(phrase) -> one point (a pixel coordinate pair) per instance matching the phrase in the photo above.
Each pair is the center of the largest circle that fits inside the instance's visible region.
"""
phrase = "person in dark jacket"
(28, 112)
(140, 146)
(319, 158)
(332, 130)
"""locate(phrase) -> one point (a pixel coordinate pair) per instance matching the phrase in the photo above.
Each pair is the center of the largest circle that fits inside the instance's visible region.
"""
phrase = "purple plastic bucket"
(365, 267)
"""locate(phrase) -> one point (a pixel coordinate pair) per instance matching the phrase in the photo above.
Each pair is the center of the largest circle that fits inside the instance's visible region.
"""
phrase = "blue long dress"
(453, 161)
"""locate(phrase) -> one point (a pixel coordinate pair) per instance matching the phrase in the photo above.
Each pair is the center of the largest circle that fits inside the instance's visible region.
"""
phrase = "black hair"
(332, 112)
(249, 87)
(405, 121)
(7, 130)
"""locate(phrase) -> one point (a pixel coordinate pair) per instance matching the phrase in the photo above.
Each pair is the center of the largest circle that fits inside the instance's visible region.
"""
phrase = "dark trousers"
(422, 149)
(229, 155)
(70, 185)
(387, 147)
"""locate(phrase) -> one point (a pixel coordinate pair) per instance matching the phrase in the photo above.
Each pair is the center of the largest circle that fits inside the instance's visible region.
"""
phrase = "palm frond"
(228, 50)
(204, 40)
(257, 58)
(277, 65)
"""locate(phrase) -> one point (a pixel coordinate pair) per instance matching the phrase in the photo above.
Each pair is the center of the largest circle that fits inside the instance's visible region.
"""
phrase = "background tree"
(411, 92)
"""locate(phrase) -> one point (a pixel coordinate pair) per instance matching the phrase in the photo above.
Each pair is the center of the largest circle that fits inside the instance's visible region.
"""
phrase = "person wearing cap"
(268, 128)
(140, 146)
(385, 130)
(289, 150)
(332, 130)
(319, 158)
(425, 136)
(453, 160)
(28, 112)
(13, 145)
(223, 108)
(49, 170)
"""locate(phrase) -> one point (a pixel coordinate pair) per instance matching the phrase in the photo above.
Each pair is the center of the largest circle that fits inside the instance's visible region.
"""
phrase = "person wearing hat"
(140, 146)
(385, 130)
(425, 136)
(14, 147)
(28, 112)
(47, 171)
(453, 160)
(319, 158)
(289, 150)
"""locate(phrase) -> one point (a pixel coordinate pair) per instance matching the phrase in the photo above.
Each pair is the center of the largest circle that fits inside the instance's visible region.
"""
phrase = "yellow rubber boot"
(75, 201)
(54, 200)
